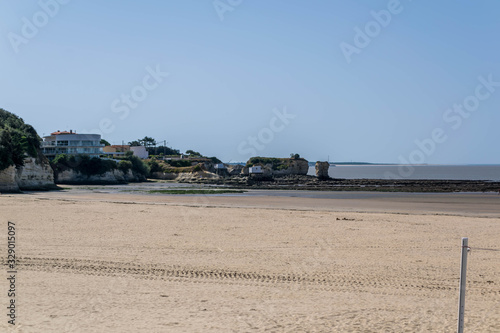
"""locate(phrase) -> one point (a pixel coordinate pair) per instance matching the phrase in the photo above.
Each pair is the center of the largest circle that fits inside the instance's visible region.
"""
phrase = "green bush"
(64, 162)
(193, 153)
(124, 166)
(83, 164)
(179, 163)
(215, 160)
(277, 163)
(96, 166)
(6, 150)
(17, 140)
(138, 165)
(282, 167)
(154, 166)
(168, 169)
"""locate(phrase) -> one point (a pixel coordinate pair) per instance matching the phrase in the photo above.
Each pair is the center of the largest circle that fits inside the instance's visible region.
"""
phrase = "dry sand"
(101, 262)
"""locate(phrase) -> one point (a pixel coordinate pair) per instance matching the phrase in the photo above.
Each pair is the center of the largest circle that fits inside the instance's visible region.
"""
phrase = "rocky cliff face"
(20, 144)
(194, 176)
(36, 174)
(8, 180)
(110, 177)
(185, 176)
(296, 167)
(164, 175)
(235, 169)
(322, 170)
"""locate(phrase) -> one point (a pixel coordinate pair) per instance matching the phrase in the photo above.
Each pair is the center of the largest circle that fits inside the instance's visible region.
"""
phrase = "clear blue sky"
(225, 77)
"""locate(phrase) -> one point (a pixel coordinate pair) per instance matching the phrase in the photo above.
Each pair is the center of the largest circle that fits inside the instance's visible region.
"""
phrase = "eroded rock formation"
(296, 167)
(235, 169)
(8, 180)
(35, 174)
(322, 170)
(279, 166)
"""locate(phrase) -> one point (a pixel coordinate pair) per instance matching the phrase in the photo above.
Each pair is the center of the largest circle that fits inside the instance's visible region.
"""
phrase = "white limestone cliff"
(35, 174)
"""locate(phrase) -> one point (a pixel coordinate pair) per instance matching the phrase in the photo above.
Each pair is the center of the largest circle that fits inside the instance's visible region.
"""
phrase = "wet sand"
(462, 204)
(97, 260)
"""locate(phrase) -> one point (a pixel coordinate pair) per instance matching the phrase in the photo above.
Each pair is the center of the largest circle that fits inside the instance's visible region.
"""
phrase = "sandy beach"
(93, 260)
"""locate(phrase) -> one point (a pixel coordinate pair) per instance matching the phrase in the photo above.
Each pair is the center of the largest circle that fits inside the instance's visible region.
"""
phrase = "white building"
(71, 143)
(255, 169)
(139, 151)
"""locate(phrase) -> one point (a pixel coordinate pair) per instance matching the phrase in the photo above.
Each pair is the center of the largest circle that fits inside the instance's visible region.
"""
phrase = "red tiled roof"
(62, 132)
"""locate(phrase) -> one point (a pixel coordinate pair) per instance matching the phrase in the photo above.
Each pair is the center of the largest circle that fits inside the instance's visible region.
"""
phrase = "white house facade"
(140, 151)
(255, 169)
(71, 143)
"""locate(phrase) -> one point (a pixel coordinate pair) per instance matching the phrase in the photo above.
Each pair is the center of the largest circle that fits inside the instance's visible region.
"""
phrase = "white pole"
(463, 271)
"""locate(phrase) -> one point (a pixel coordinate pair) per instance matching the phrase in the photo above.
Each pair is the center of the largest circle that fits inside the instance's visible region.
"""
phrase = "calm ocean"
(455, 172)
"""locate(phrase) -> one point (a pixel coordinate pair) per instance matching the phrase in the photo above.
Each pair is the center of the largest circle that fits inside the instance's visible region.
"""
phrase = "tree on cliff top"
(17, 140)
(193, 153)
(146, 142)
(104, 142)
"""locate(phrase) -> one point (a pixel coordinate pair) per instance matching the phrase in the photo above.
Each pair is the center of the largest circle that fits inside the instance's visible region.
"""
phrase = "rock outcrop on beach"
(164, 175)
(235, 170)
(35, 174)
(8, 180)
(272, 167)
(195, 172)
(83, 169)
(322, 170)
(295, 167)
(196, 176)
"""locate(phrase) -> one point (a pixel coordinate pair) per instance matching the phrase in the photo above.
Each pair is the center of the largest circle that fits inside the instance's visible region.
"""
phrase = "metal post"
(463, 279)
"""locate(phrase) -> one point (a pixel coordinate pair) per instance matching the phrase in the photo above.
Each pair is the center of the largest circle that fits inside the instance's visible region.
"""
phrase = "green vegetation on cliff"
(178, 166)
(277, 163)
(152, 148)
(180, 163)
(88, 166)
(194, 154)
(83, 164)
(17, 140)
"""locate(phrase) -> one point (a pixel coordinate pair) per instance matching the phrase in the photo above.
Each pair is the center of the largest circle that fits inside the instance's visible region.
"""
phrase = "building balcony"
(58, 144)
(71, 151)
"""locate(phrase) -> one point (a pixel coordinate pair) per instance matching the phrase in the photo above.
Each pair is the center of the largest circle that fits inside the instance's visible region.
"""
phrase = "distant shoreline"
(387, 164)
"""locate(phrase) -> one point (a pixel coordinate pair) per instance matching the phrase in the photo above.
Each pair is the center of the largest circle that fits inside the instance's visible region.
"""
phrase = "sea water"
(448, 172)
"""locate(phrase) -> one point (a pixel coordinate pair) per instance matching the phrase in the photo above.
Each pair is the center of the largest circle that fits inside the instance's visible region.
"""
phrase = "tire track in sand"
(325, 281)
